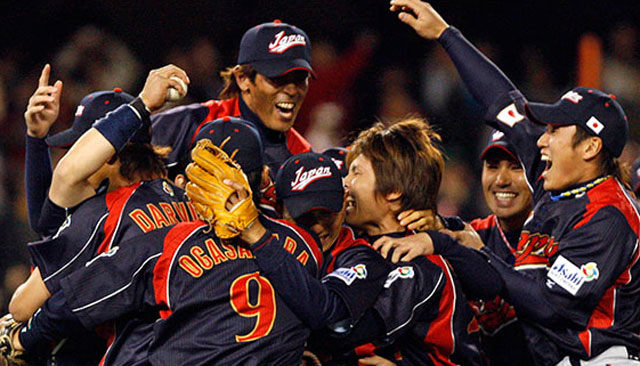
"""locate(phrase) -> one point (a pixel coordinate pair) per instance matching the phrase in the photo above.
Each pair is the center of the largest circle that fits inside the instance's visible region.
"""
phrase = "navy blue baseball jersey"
(502, 338)
(95, 228)
(352, 275)
(427, 318)
(179, 126)
(216, 306)
(575, 281)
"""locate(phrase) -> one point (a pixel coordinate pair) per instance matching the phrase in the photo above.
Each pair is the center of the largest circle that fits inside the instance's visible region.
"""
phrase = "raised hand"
(44, 105)
(420, 16)
(154, 92)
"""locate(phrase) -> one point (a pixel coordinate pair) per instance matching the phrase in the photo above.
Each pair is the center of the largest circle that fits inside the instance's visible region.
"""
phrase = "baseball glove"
(209, 195)
(12, 356)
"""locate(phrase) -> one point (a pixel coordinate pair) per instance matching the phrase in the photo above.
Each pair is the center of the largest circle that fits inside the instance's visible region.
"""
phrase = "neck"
(388, 224)
(513, 223)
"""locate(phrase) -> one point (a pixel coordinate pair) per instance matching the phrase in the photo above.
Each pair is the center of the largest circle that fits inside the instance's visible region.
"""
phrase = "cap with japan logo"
(596, 112)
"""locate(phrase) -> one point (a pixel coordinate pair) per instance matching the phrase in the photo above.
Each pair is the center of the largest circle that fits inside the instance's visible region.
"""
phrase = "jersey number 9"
(264, 308)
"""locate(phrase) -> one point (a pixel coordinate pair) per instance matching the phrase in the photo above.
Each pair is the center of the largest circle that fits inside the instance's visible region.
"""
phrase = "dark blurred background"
(370, 66)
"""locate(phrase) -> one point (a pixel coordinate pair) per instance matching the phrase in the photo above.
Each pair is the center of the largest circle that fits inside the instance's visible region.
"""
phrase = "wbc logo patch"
(400, 272)
(595, 125)
(348, 275)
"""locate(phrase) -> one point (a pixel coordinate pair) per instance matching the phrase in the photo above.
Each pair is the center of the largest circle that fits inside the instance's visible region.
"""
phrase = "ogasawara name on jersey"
(568, 276)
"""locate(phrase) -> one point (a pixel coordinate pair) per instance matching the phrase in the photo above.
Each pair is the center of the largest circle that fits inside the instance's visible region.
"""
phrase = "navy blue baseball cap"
(596, 112)
(276, 48)
(309, 181)
(243, 141)
(339, 157)
(497, 141)
(91, 108)
(635, 176)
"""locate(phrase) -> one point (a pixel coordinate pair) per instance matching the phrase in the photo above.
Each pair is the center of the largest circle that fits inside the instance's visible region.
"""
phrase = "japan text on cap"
(274, 49)
(596, 112)
(309, 181)
(498, 141)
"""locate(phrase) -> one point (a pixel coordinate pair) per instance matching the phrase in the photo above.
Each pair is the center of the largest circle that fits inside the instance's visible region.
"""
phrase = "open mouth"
(351, 203)
(285, 108)
(505, 195)
(547, 161)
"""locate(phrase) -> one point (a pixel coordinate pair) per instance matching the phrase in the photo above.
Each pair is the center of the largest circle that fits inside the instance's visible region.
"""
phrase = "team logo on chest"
(283, 42)
(304, 178)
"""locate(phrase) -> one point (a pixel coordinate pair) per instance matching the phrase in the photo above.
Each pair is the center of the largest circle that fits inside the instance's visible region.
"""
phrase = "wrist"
(36, 134)
(140, 108)
(253, 233)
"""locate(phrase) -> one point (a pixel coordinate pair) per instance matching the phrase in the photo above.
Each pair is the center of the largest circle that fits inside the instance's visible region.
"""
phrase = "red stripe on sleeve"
(161, 272)
(115, 201)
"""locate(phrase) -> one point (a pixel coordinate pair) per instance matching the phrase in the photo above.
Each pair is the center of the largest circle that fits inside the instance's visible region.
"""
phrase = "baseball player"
(392, 170)
(508, 197)
(576, 274)
(635, 177)
(122, 190)
(266, 87)
(216, 306)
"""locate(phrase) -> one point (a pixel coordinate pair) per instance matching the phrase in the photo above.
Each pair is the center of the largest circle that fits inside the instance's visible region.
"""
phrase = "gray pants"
(614, 356)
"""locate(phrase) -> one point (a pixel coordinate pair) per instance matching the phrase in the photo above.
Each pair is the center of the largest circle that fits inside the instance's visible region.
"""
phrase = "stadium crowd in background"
(349, 89)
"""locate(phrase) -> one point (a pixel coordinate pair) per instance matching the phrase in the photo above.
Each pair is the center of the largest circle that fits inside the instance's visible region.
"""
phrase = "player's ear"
(591, 147)
(180, 180)
(242, 79)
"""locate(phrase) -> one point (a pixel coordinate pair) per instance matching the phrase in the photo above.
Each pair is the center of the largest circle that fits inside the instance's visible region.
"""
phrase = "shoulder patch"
(509, 115)
(166, 187)
(400, 272)
(348, 275)
(568, 276)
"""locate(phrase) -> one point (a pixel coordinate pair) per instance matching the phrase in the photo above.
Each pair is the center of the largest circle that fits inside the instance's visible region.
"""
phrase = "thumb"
(408, 19)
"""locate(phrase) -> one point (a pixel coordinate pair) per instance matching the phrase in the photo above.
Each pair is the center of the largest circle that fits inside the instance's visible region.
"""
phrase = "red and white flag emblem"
(595, 125)
(509, 115)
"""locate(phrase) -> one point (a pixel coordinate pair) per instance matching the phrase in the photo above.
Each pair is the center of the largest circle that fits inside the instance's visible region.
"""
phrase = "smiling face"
(324, 223)
(276, 101)
(505, 189)
(565, 164)
(365, 207)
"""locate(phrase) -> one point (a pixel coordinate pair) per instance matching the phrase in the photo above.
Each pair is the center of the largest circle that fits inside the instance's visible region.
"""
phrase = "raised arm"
(42, 111)
(484, 79)
(74, 179)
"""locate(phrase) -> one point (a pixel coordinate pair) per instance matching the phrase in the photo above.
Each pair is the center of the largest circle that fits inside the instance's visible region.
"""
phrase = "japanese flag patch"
(595, 125)
(568, 276)
(509, 115)
(348, 275)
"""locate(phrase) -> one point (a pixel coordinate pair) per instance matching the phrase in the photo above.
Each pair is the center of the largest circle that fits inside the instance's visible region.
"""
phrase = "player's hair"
(143, 161)
(608, 163)
(230, 87)
(405, 160)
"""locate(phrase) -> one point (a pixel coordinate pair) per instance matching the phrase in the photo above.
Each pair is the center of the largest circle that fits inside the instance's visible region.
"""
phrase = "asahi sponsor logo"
(304, 178)
(283, 42)
(567, 275)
